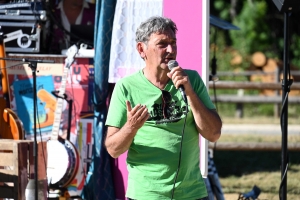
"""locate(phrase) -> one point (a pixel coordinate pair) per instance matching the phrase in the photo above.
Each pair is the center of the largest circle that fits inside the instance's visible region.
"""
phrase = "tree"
(261, 29)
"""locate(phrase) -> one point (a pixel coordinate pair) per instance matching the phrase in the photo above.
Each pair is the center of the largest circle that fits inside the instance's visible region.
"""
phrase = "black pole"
(284, 116)
(70, 101)
(33, 66)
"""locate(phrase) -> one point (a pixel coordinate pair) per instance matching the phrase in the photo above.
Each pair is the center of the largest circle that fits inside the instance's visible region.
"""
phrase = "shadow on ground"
(244, 162)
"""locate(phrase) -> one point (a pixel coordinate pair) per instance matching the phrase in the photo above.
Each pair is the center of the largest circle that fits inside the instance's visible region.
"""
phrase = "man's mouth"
(168, 59)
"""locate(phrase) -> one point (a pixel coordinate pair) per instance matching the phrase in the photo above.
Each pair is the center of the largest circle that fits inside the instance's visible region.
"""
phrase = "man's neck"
(158, 77)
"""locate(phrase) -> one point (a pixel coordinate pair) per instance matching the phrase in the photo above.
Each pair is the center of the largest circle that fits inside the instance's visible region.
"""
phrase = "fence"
(239, 99)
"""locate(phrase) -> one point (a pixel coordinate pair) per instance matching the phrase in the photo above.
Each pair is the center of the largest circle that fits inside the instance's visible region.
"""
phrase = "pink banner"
(188, 17)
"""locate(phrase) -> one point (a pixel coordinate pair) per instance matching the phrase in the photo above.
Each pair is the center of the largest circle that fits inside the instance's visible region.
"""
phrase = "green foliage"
(226, 109)
(295, 44)
(253, 33)
(223, 8)
(261, 29)
(258, 110)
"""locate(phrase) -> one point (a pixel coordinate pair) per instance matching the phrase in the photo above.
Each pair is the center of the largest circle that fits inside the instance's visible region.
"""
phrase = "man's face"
(160, 49)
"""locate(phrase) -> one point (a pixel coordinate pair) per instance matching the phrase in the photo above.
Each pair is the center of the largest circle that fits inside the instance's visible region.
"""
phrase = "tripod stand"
(287, 6)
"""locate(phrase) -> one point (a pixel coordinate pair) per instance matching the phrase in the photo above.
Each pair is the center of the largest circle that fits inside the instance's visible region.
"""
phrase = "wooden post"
(239, 106)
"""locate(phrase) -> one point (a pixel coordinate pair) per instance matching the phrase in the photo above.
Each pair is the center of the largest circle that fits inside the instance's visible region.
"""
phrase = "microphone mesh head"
(172, 64)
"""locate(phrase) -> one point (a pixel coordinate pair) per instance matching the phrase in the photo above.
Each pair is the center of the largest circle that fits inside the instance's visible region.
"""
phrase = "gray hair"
(154, 24)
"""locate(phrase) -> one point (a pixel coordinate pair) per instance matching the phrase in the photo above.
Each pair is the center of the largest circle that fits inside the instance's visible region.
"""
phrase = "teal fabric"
(99, 182)
(153, 155)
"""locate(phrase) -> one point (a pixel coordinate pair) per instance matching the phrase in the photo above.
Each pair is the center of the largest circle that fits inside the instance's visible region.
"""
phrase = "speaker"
(287, 5)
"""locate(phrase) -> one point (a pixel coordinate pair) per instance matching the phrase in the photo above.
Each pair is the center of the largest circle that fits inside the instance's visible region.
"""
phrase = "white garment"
(124, 58)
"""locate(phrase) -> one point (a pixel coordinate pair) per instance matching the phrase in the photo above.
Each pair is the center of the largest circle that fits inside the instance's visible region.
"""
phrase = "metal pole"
(33, 66)
(284, 119)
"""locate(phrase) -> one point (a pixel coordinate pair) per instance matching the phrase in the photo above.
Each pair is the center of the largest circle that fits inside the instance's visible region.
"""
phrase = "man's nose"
(170, 48)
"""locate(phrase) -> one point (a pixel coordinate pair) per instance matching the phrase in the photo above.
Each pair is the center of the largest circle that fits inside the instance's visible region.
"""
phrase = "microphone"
(171, 65)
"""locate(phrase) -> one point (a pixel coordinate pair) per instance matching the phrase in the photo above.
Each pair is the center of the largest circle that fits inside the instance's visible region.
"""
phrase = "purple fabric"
(57, 34)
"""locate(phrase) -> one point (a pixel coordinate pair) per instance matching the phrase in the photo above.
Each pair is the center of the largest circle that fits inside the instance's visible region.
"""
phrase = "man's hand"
(137, 116)
(179, 77)
(118, 140)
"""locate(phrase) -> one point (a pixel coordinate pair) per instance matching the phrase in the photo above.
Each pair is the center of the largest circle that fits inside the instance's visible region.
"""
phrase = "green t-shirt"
(153, 156)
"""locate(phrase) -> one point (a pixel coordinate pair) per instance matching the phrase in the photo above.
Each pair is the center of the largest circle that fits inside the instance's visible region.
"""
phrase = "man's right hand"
(118, 140)
(137, 116)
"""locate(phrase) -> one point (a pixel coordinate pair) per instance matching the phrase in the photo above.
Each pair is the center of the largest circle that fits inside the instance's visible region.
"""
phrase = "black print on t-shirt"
(173, 112)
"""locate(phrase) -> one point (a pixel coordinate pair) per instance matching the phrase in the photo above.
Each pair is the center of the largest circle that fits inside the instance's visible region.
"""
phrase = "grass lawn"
(262, 196)
(239, 171)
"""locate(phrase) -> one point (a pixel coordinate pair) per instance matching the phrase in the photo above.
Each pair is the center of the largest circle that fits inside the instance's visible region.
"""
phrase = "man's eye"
(163, 44)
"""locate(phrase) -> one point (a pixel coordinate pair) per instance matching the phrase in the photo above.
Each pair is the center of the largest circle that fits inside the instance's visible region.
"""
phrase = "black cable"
(180, 151)
(215, 95)
(216, 104)
(214, 59)
(213, 74)
(282, 180)
(281, 115)
(284, 104)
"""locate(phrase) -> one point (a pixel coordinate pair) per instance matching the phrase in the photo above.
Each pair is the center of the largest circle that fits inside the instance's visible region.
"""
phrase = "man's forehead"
(164, 35)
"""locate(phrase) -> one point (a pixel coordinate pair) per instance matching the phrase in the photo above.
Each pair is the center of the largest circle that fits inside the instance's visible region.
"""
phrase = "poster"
(45, 105)
(78, 90)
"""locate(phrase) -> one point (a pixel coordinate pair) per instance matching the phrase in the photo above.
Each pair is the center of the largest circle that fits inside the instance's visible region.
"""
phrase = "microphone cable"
(180, 151)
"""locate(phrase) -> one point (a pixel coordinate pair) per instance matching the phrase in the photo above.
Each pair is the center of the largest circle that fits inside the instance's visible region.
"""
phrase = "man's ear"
(140, 46)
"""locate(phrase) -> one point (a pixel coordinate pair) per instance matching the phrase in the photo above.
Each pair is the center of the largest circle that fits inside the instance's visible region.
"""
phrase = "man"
(69, 12)
(148, 117)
